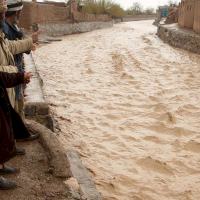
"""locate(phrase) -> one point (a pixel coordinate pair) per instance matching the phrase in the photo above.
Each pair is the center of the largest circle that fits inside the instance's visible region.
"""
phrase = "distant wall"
(56, 12)
(58, 4)
(38, 13)
(128, 18)
(115, 21)
(91, 17)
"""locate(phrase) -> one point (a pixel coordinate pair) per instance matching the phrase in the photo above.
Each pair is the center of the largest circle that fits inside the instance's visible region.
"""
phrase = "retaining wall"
(64, 28)
(178, 37)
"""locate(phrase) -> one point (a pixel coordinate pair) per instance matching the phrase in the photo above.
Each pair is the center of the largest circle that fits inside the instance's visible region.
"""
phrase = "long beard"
(16, 21)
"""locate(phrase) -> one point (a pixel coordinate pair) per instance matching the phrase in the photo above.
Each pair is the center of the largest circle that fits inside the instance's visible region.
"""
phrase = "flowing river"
(130, 105)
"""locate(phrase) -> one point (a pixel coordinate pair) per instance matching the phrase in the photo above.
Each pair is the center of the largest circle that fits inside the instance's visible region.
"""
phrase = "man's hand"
(16, 68)
(35, 36)
(34, 48)
(27, 77)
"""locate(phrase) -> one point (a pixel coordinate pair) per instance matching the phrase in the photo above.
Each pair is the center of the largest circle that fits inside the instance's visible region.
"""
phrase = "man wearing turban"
(11, 124)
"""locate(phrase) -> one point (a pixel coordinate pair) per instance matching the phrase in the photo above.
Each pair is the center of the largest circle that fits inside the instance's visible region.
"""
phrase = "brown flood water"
(130, 105)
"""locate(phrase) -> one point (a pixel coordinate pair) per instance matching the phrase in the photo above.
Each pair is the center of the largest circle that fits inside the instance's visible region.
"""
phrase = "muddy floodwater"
(130, 105)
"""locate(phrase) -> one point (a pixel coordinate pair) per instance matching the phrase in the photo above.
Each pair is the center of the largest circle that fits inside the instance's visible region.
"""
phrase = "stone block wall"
(64, 28)
(187, 40)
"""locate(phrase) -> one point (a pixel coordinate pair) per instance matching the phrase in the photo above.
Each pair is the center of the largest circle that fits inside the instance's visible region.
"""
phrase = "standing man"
(7, 50)
(13, 33)
(10, 125)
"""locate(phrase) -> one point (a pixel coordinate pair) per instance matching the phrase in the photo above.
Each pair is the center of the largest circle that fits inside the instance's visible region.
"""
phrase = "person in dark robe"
(11, 125)
(7, 50)
(12, 32)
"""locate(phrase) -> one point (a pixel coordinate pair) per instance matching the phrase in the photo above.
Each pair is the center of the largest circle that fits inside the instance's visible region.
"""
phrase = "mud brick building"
(48, 12)
(189, 15)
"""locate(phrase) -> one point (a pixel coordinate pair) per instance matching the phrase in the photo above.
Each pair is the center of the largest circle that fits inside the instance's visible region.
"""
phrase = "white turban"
(14, 5)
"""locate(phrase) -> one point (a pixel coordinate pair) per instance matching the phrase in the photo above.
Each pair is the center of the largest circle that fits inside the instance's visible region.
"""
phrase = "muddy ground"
(35, 180)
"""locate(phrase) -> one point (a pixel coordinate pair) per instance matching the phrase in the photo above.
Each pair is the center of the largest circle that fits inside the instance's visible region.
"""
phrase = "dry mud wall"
(50, 13)
(189, 15)
(196, 26)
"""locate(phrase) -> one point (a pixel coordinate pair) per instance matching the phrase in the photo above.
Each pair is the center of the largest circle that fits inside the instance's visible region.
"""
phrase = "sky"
(125, 4)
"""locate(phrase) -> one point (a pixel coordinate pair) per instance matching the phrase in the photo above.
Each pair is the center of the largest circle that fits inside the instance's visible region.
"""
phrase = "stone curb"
(58, 163)
(64, 164)
(36, 107)
(80, 173)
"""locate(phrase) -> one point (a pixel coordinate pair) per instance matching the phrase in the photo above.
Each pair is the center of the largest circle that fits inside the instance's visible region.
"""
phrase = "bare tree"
(137, 8)
(149, 11)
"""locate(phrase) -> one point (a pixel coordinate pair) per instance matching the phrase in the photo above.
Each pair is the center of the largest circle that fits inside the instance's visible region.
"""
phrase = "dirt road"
(130, 105)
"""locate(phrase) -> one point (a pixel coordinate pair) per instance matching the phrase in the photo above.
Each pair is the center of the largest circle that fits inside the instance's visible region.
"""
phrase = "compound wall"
(181, 16)
(196, 26)
(189, 12)
(38, 13)
(189, 15)
(45, 12)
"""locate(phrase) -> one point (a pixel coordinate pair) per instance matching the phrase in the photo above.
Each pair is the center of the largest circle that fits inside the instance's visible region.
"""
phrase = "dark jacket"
(11, 33)
(11, 125)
